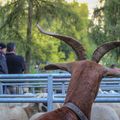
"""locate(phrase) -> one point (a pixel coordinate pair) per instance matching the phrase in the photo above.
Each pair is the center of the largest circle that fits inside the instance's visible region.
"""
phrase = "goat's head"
(86, 74)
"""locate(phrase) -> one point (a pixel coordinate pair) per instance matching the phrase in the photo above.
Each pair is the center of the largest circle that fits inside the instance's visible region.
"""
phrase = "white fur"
(103, 112)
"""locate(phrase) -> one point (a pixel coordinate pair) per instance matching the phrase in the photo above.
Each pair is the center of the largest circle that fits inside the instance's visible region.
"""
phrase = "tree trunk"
(29, 35)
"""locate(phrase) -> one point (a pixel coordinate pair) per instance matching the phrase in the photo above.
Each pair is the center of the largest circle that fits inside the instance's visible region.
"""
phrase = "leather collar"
(76, 110)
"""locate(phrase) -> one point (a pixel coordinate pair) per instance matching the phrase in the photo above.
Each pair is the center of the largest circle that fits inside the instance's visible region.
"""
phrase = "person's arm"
(3, 65)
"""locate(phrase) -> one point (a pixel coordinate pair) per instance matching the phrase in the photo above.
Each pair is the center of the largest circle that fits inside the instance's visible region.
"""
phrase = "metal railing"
(52, 84)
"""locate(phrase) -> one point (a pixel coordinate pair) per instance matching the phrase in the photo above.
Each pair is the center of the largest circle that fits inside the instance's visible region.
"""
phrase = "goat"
(85, 79)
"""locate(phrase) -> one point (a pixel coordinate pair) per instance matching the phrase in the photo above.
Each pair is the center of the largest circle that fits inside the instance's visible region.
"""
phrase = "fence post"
(63, 88)
(50, 93)
(1, 88)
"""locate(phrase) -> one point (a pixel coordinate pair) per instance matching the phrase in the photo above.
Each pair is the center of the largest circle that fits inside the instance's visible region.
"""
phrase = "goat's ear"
(115, 72)
(63, 66)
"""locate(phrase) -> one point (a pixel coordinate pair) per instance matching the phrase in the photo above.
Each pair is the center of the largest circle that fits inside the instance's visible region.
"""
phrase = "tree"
(112, 19)
(106, 27)
(19, 19)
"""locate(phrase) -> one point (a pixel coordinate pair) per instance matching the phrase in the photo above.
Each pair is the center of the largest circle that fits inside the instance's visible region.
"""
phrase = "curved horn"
(103, 49)
(77, 47)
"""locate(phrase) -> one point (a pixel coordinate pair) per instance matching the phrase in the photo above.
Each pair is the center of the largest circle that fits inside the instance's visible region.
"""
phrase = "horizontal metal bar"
(22, 100)
(22, 80)
(54, 80)
(38, 83)
(107, 100)
(43, 75)
(16, 96)
(97, 100)
(55, 100)
(61, 100)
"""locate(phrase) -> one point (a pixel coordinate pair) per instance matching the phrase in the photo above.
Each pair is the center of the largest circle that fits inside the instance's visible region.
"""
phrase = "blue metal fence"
(54, 84)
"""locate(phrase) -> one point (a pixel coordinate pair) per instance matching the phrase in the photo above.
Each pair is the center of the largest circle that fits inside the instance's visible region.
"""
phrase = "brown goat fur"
(81, 91)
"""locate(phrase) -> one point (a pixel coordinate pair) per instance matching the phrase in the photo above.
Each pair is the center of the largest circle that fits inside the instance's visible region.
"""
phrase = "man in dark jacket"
(15, 63)
(3, 65)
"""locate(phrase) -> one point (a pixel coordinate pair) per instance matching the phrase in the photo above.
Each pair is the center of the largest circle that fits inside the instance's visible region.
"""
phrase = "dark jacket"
(15, 63)
(3, 64)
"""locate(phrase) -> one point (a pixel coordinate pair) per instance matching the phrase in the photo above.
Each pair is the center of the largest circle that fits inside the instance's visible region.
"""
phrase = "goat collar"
(76, 110)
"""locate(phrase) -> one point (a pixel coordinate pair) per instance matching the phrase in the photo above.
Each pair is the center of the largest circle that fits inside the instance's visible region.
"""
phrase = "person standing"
(3, 64)
(15, 63)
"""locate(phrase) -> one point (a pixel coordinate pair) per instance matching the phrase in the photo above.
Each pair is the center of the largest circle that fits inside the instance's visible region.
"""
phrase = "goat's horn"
(63, 66)
(103, 49)
(77, 47)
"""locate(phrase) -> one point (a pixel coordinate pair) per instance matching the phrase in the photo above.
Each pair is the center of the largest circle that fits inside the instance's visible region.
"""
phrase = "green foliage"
(53, 15)
(108, 28)
(112, 19)
(112, 24)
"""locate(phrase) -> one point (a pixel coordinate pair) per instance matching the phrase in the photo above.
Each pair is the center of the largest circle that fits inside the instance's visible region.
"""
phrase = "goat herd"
(86, 76)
